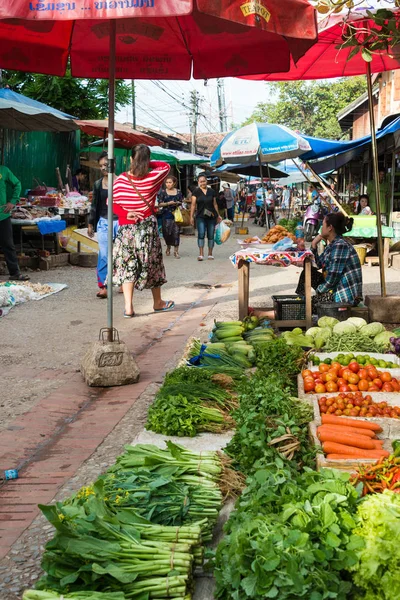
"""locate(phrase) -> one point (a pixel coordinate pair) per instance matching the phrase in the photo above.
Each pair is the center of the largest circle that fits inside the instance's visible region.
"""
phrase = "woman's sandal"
(169, 305)
(126, 316)
(176, 255)
(200, 258)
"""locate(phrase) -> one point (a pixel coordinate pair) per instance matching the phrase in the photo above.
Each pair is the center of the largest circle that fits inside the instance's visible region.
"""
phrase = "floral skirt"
(138, 255)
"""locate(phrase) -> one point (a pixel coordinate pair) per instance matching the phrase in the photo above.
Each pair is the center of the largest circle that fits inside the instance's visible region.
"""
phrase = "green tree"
(309, 107)
(81, 98)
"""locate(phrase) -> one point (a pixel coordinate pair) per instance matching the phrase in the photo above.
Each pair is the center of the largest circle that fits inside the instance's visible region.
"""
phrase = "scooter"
(312, 220)
(267, 214)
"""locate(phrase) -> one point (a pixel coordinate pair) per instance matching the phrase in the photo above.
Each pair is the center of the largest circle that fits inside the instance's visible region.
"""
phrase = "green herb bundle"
(48, 595)
(269, 423)
(276, 357)
(290, 537)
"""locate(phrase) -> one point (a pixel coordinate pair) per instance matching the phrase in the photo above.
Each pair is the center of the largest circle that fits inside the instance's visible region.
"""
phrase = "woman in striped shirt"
(138, 261)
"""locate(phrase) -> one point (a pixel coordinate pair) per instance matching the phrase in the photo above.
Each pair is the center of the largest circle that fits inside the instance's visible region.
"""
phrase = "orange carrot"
(378, 444)
(358, 441)
(335, 448)
(341, 457)
(358, 431)
(332, 420)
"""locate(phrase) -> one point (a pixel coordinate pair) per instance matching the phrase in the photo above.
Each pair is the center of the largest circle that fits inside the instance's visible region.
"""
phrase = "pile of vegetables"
(382, 476)
(352, 335)
(208, 355)
(290, 537)
(343, 438)
(278, 358)
(43, 595)
(355, 377)
(376, 572)
(100, 550)
(185, 409)
(357, 405)
(362, 359)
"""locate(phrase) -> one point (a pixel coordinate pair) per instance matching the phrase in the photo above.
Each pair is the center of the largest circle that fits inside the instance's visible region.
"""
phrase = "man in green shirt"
(10, 190)
(384, 187)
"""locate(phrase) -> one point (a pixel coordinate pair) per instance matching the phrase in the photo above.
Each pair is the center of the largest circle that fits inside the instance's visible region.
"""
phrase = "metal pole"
(133, 104)
(111, 170)
(263, 189)
(327, 190)
(376, 180)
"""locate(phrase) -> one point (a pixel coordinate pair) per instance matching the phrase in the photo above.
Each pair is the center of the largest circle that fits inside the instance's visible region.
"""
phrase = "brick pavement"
(53, 439)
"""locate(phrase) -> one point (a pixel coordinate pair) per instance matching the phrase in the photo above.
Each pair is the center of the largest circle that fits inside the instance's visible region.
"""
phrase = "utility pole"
(221, 105)
(133, 103)
(193, 117)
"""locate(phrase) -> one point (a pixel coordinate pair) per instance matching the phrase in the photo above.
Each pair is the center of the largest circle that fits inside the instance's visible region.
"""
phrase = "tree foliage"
(309, 107)
(81, 98)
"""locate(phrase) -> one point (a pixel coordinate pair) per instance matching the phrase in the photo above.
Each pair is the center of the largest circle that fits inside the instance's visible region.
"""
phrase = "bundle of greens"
(270, 423)
(376, 574)
(290, 537)
(49, 595)
(218, 358)
(182, 416)
(95, 549)
(185, 409)
(279, 358)
(174, 499)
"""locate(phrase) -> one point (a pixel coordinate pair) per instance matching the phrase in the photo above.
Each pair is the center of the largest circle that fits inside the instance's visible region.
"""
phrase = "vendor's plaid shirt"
(342, 268)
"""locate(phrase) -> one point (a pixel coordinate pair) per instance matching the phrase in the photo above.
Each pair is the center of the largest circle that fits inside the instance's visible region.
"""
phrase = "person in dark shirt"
(222, 207)
(98, 222)
(204, 204)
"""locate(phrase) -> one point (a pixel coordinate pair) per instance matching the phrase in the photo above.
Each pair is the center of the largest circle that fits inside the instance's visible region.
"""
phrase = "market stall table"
(48, 226)
(242, 260)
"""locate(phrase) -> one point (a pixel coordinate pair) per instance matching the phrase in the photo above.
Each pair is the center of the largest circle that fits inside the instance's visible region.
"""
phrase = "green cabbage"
(376, 542)
(325, 332)
(313, 331)
(344, 327)
(383, 338)
(327, 322)
(357, 321)
(372, 329)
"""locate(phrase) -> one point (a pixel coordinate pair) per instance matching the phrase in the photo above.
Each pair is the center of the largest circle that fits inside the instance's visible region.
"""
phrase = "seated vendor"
(341, 277)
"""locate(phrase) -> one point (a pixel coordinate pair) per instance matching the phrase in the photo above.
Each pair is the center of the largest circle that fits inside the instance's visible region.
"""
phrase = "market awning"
(8, 94)
(172, 157)
(125, 135)
(22, 117)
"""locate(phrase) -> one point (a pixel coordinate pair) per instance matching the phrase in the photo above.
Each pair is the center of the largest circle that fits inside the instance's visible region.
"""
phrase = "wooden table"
(244, 258)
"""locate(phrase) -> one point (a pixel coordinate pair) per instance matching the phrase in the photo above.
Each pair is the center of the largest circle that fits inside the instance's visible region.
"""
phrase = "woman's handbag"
(178, 215)
(208, 213)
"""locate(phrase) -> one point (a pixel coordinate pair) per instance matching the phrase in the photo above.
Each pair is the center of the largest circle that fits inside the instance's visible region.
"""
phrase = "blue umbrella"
(265, 142)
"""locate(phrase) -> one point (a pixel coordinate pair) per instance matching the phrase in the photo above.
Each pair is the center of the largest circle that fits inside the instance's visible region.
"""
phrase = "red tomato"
(324, 368)
(309, 387)
(344, 388)
(373, 388)
(307, 373)
(331, 376)
(337, 366)
(316, 375)
(331, 386)
(373, 373)
(395, 385)
(387, 387)
(363, 385)
(378, 382)
(354, 379)
(341, 381)
(353, 387)
(354, 366)
(347, 374)
(363, 373)
(320, 388)
(386, 376)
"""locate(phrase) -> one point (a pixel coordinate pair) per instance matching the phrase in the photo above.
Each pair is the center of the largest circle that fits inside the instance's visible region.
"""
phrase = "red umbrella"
(325, 59)
(153, 39)
(215, 38)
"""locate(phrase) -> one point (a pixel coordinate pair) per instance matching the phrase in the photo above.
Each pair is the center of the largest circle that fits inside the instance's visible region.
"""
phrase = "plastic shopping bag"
(178, 215)
(222, 233)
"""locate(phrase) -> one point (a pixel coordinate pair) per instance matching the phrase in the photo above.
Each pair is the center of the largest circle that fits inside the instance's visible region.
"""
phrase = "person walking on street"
(168, 200)
(204, 204)
(221, 202)
(8, 181)
(286, 198)
(98, 223)
(230, 200)
(138, 256)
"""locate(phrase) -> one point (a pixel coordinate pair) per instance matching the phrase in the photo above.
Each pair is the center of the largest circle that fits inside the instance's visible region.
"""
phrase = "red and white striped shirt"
(126, 199)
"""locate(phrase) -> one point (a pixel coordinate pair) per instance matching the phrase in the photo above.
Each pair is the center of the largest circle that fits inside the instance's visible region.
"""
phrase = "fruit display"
(276, 234)
(356, 405)
(346, 359)
(354, 377)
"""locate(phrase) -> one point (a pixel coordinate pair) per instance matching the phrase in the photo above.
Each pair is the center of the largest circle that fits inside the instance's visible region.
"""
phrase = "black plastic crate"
(289, 308)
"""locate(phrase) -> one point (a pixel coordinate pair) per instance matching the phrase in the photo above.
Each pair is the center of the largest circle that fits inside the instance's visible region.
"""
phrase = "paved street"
(62, 434)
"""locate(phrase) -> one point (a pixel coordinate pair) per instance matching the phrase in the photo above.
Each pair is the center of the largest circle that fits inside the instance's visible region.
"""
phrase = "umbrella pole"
(263, 189)
(376, 179)
(111, 170)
